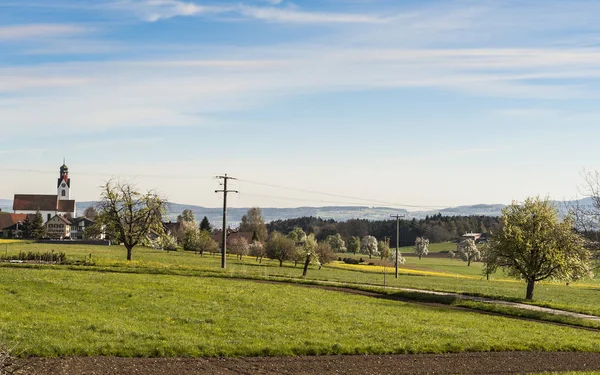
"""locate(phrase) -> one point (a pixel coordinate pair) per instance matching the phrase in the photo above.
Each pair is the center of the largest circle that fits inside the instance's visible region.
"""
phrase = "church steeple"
(64, 183)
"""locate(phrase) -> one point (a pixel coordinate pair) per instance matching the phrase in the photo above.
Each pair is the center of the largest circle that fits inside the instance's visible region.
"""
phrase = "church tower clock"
(64, 183)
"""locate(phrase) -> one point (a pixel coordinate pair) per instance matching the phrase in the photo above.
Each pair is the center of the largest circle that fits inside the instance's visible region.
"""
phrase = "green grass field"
(52, 312)
(457, 277)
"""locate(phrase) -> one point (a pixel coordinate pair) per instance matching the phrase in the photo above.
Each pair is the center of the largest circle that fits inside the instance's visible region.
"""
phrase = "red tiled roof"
(61, 218)
(66, 206)
(8, 220)
(28, 202)
(24, 202)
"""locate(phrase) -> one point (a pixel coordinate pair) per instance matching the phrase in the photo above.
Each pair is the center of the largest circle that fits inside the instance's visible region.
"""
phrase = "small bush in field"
(47, 257)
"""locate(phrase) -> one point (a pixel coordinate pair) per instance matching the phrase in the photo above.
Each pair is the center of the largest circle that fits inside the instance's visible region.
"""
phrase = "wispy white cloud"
(155, 10)
(33, 31)
(74, 46)
(173, 92)
(11, 83)
(297, 16)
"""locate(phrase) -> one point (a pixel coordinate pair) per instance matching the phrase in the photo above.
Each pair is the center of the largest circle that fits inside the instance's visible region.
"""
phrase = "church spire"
(64, 182)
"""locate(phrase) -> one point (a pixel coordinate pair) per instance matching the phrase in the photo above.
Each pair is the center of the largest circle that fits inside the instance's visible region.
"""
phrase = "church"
(49, 205)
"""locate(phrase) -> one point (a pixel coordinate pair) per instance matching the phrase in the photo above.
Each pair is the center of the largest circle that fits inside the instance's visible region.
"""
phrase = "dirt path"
(459, 363)
(523, 306)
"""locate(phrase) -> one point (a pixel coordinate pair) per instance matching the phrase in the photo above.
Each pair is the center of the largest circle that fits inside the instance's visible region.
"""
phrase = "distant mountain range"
(338, 213)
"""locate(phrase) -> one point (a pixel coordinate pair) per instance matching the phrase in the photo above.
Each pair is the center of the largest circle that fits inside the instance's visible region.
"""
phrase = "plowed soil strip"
(459, 363)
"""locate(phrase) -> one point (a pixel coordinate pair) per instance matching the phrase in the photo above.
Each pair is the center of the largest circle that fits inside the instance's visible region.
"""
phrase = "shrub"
(350, 261)
(47, 257)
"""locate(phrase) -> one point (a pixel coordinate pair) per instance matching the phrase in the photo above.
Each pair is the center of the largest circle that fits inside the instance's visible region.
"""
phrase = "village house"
(11, 225)
(476, 237)
(78, 227)
(58, 228)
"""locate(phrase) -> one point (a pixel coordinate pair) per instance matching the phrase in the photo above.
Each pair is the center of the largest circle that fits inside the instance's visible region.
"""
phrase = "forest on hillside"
(436, 228)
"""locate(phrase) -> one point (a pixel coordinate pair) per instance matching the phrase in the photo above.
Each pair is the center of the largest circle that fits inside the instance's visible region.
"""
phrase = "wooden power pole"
(397, 238)
(224, 231)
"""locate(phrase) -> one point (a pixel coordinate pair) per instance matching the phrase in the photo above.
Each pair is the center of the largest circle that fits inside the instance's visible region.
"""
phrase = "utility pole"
(397, 238)
(224, 237)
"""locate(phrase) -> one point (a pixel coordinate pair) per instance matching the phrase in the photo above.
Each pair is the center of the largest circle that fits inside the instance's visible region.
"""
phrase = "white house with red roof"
(48, 205)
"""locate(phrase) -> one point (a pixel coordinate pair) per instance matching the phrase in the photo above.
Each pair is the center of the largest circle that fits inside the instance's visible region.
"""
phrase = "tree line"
(436, 228)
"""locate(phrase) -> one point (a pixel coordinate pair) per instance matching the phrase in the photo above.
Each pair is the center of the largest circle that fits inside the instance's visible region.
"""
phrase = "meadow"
(58, 312)
(430, 273)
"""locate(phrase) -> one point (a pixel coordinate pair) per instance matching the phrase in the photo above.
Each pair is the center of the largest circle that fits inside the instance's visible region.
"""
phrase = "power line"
(340, 196)
(363, 204)
(353, 200)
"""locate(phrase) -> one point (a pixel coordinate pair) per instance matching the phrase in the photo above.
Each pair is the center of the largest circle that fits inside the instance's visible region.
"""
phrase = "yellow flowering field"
(405, 271)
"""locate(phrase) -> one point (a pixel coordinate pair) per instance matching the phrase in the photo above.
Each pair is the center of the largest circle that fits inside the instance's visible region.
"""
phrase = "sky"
(409, 104)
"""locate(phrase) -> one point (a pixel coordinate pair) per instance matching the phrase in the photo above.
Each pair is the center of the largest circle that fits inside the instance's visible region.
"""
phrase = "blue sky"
(431, 103)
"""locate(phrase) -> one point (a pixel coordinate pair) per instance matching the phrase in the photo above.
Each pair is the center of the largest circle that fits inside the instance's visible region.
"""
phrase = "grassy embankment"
(50, 312)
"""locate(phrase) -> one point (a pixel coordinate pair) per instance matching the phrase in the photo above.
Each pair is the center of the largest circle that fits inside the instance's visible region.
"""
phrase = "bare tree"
(325, 253)
(257, 249)
(586, 213)
(238, 246)
(90, 213)
(129, 215)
